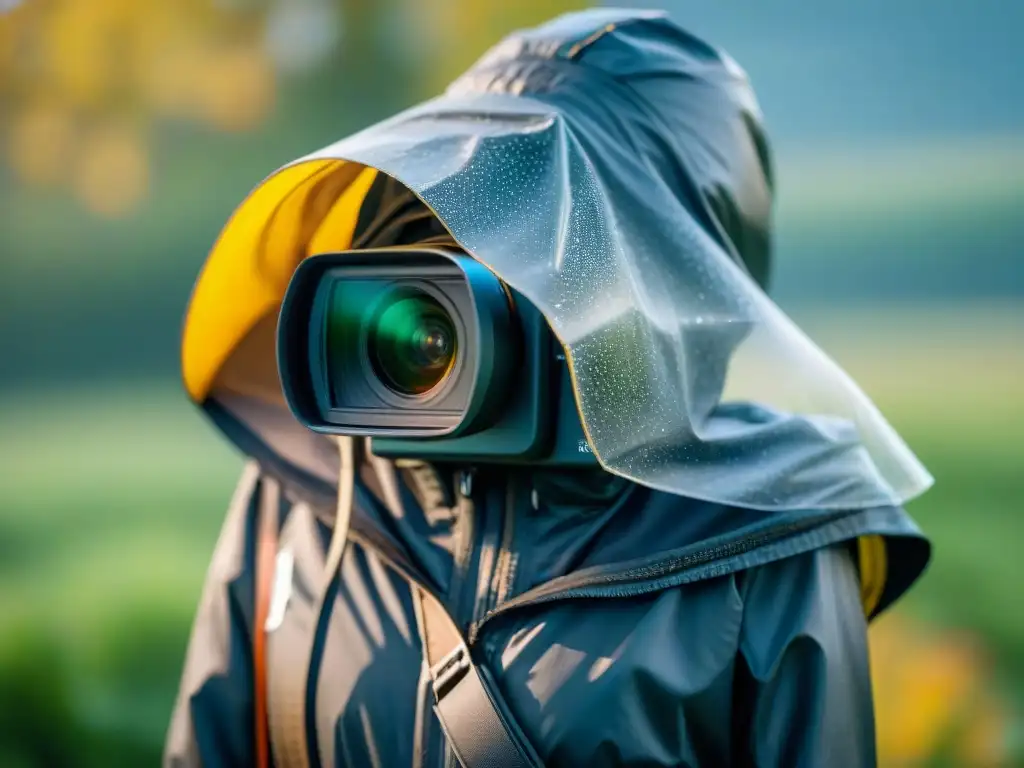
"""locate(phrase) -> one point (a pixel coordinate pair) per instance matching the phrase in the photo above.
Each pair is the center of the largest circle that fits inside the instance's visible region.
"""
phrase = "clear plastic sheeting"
(689, 379)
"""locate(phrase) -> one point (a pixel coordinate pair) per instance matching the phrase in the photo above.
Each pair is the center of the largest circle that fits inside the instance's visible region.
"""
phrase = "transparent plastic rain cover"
(688, 378)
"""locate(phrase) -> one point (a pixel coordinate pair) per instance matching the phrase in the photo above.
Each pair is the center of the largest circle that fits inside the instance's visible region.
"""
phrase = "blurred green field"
(113, 496)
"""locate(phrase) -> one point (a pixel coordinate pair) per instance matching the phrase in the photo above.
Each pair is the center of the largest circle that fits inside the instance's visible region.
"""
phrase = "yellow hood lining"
(308, 208)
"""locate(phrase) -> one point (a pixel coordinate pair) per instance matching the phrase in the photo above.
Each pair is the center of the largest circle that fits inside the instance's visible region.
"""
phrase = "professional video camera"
(429, 354)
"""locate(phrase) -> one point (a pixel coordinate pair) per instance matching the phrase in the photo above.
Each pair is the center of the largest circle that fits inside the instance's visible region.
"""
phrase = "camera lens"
(412, 342)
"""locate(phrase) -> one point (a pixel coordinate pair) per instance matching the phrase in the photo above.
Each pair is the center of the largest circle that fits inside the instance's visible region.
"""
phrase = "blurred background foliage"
(129, 131)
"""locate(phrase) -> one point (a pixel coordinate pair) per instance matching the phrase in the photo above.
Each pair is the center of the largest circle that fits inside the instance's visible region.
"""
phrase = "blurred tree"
(84, 86)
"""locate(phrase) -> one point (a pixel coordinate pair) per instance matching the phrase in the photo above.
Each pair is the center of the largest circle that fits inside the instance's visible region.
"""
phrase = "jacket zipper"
(640, 580)
(490, 527)
(489, 516)
(467, 524)
(501, 584)
(471, 526)
(492, 533)
(627, 582)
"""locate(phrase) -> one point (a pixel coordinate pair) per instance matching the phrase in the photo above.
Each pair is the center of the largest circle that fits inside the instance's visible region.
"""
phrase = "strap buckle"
(450, 671)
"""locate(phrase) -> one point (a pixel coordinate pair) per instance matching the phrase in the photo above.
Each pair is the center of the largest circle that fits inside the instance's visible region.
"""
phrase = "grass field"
(112, 499)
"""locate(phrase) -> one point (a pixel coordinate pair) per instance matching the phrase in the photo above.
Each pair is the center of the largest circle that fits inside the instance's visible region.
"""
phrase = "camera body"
(431, 356)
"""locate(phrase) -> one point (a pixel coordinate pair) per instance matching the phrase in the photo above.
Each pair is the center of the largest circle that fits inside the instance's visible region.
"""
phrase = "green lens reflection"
(412, 343)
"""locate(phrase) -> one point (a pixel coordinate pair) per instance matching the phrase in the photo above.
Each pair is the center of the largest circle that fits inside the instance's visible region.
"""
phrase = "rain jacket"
(624, 626)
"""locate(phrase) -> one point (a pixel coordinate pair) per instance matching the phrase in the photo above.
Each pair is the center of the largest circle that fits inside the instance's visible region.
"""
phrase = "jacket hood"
(612, 168)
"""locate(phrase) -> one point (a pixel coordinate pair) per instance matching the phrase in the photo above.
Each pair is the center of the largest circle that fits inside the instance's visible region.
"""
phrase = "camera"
(430, 355)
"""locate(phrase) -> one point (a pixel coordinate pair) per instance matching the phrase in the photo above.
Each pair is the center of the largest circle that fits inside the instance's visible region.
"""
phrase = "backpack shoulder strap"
(475, 720)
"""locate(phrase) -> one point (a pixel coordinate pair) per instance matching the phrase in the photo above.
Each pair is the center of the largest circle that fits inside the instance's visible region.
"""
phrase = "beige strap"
(289, 661)
(388, 479)
(440, 636)
(477, 723)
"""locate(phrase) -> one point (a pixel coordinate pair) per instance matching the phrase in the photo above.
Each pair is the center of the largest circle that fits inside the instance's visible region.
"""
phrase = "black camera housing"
(508, 398)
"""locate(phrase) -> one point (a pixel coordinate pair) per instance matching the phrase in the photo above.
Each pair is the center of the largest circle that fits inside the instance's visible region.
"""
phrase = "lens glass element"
(412, 342)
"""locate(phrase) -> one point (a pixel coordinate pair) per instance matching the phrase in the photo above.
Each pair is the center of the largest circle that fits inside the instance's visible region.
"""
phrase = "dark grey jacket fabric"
(624, 626)
(647, 630)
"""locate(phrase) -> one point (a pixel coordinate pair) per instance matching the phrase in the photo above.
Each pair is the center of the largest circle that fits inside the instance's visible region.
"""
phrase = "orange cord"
(266, 552)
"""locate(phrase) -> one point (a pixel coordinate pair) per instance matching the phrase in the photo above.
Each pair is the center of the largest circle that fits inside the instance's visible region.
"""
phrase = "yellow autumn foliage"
(41, 141)
(111, 171)
(75, 73)
(83, 84)
(236, 91)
